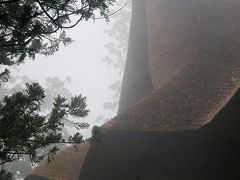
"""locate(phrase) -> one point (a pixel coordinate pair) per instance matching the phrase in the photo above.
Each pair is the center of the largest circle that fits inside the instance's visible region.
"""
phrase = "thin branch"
(97, 18)
(48, 15)
(8, 2)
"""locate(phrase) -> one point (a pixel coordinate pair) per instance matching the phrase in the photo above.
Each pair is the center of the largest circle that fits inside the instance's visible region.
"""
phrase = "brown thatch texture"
(196, 40)
(210, 152)
(192, 60)
(193, 55)
(66, 164)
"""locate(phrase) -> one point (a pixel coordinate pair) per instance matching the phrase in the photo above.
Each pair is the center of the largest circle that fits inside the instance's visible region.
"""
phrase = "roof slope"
(210, 152)
(65, 166)
(179, 102)
(193, 56)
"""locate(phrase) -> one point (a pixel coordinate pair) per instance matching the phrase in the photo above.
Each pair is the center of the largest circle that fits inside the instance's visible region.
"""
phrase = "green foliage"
(77, 106)
(54, 86)
(97, 134)
(4, 175)
(76, 138)
(5, 75)
(30, 27)
(24, 130)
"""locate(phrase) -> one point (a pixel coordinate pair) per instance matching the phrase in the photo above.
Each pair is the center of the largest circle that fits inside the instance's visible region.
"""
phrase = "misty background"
(92, 65)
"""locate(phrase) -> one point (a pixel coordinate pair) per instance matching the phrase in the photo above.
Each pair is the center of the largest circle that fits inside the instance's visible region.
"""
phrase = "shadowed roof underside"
(210, 152)
(182, 74)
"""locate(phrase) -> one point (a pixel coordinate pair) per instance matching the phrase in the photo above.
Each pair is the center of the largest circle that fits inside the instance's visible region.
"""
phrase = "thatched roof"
(192, 61)
(65, 166)
(179, 95)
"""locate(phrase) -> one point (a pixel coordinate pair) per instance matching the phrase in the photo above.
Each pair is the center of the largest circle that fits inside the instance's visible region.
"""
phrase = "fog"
(81, 65)
(178, 115)
(92, 65)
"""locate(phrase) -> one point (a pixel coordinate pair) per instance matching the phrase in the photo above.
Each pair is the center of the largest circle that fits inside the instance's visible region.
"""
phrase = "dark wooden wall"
(211, 152)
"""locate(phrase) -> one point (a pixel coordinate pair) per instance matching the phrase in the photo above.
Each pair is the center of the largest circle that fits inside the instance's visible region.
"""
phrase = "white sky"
(82, 61)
